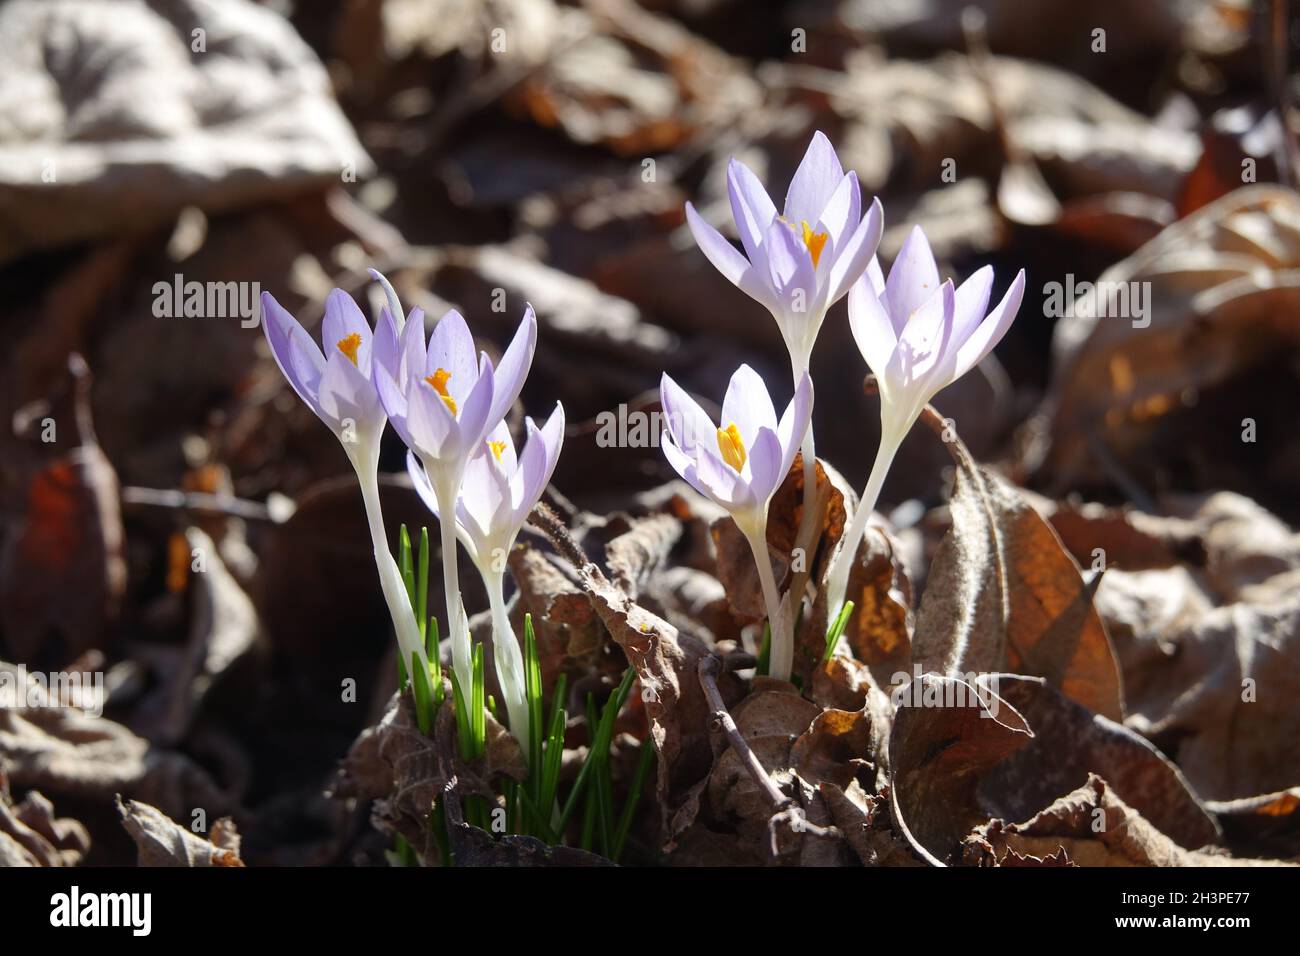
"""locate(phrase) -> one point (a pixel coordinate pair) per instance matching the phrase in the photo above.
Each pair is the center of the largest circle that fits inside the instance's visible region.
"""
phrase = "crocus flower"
(496, 497)
(918, 336)
(801, 262)
(739, 464)
(338, 385)
(443, 399)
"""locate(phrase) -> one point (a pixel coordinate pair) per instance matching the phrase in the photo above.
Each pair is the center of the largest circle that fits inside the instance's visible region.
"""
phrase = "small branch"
(708, 671)
(226, 506)
(785, 809)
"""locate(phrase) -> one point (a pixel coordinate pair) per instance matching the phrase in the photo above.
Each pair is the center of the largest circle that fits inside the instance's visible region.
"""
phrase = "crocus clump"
(917, 335)
(447, 402)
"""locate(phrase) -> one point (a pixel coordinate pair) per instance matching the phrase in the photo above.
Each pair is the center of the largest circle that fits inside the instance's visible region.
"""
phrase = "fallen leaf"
(162, 842)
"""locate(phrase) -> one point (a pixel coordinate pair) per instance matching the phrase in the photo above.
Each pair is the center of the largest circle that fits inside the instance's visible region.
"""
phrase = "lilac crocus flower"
(338, 385)
(496, 497)
(739, 464)
(443, 399)
(918, 336)
(801, 262)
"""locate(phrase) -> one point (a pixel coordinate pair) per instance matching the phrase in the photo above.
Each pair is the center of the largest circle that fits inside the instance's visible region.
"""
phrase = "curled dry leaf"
(640, 84)
(947, 735)
(1219, 694)
(1003, 594)
(1267, 825)
(31, 835)
(204, 137)
(160, 841)
(63, 572)
(64, 752)
(1093, 827)
(863, 819)
(404, 771)
(1069, 744)
(224, 627)
(641, 551)
(1217, 290)
(667, 664)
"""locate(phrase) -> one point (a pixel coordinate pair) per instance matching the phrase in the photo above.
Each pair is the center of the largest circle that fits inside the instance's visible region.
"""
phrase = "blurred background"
(491, 153)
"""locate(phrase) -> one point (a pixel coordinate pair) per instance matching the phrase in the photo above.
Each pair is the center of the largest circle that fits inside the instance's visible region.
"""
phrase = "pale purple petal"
(857, 255)
(764, 464)
(387, 348)
(725, 484)
(924, 340)
(413, 348)
(432, 427)
(484, 498)
(390, 294)
(842, 214)
(393, 402)
(872, 330)
(913, 279)
(537, 467)
(971, 303)
(684, 465)
(687, 423)
(420, 480)
(751, 206)
(501, 433)
(346, 395)
(790, 269)
(451, 348)
(747, 404)
(814, 182)
(513, 370)
(343, 318)
(298, 357)
(991, 330)
(474, 410)
(874, 274)
(794, 422)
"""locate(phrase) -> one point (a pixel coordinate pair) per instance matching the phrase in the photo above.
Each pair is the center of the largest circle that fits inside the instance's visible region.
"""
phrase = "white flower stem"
(799, 367)
(781, 651)
(838, 579)
(390, 576)
(507, 658)
(461, 653)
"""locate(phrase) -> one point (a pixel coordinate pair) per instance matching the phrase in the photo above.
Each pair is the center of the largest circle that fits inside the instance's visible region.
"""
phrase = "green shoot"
(420, 599)
(533, 692)
(423, 695)
(644, 762)
(837, 628)
(764, 651)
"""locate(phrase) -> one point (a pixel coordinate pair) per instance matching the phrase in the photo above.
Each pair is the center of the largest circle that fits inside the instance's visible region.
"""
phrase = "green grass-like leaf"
(644, 762)
(837, 628)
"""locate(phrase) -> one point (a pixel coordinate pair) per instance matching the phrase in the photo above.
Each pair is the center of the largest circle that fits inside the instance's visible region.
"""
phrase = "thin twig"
(708, 671)
(198, 501)
(785, 809)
